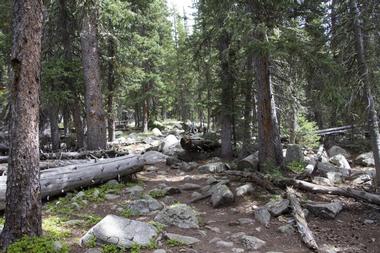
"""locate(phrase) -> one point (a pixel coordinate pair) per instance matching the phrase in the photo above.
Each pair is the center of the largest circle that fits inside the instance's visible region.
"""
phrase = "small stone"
(221, 196)
(237, 235)
(237, 250)
(171, 190)
(263, 216)
(190, 187)
(110, 196)
(188, 240)
(214, 240)
(159, 251)
(325, 210)
(369, 221)
(245, 221)
(217, 167)
(156, 132)
(211, 180)
(180, 215)
(214, 229)
(224, 244)
(94, 250)
(276, 208)
(251, 242)
(286, 229)
(195, 195)
(244, 190)
(151, 168)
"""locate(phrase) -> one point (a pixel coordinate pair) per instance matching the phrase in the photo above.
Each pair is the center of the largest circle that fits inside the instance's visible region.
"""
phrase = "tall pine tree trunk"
(111, 89)
(227, 82)
(95, 116)
(365, 78)
(23, 195)
(270, 148)
(54, 128)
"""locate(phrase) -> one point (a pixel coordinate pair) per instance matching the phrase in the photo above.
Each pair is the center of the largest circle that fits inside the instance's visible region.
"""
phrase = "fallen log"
(63, 179)
(299, 216)
(331, 190)
(198, 144)
(82, 155)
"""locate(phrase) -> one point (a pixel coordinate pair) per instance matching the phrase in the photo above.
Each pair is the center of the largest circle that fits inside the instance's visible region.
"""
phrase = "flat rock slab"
(153, 157)
(120, 231)
(188, 240)
(190, 187)
(251, 242)
(144, 206)
(180, 215)
(325, 210)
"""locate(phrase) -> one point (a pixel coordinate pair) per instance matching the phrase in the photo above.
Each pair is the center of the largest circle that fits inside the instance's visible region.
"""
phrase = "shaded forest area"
(132, 126)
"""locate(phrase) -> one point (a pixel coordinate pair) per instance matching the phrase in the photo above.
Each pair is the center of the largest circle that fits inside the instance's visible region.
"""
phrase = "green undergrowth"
(296, 166)
(157, 194)
(174, 243)
(43, 244)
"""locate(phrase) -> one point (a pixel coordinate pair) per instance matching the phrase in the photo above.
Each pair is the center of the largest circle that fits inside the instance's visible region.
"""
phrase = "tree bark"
(227, 81)
(54, 129)
(365, 78)
(111, 88)
(23, 197)
(247, 124)
(270, 148)
(95, 116)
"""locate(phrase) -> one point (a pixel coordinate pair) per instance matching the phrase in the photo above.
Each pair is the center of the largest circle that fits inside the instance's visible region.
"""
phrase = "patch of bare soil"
(355, 229)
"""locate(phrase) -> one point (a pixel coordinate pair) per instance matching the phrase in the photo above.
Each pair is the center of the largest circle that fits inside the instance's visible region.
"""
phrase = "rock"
(216, 167)
(365, 159)
(335, 177)
(224, 244)
(110, 196)
(325, 210)
(287, 229)
(169, 145)
(246, 221)
(276, 208)
(179, 215)
(369, 222)
(57, 246)
(211, 180)
(156, 132)
(187, 167)
(153, 157)
(171, 160)
(190, 187)
(244, 190)
(169, 190)
(187, 240)
(321, 181)
(336, 150)
(213, 229)
(151, 168)
(237, 250)
(196, 195)
(341, 162)
(262, 215)
(135, 192)
(251, 242)
(94, 250)
(294, 153)
(159, 251)
(328, 249)
(113, 182)
(221, 196)
(324, 168)
(120, 231)
(169, 200)
(144, 206)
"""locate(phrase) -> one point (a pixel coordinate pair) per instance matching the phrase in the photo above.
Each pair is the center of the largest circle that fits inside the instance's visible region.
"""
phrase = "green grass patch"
(36, 245)
(157, 194)
(174, 243)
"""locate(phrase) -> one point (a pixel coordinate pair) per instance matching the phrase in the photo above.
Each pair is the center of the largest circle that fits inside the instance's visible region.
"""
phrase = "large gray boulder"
(221, 196)
(341, 162)
(365, 159)
(325, 210)
(336, 150)
(153, 157)
(180, 215)
(144, 206)
(216, 167)
(170, 145)
(120, 231)
(324, 168)
(294, 153)
(156, 132)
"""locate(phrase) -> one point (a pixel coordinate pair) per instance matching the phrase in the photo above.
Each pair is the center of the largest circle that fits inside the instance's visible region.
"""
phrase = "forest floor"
(350, 231)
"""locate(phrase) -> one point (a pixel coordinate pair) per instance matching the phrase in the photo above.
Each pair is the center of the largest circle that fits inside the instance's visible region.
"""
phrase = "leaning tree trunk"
(365, 77)
(270, 151)
(96, 127)
(226, 98)
(23, 196)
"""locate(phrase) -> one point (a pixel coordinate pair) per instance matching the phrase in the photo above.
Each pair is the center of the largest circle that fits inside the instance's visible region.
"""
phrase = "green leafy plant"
(126, 213)
(111, 248)
(135, 248)
(296, 166)
(174, 243)
(36, 245)
(157, 194)
(159, 226)
(306, 132)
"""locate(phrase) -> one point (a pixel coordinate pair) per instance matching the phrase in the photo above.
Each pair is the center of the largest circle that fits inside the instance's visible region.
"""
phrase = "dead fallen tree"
(63, 179)
(250, 162)
(332, 190)
(198, 144)
(82, 155)
(299, 216)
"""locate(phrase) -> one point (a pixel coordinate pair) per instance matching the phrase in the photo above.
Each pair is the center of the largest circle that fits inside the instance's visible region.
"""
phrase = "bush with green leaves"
(36, 245)
(306, 133)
